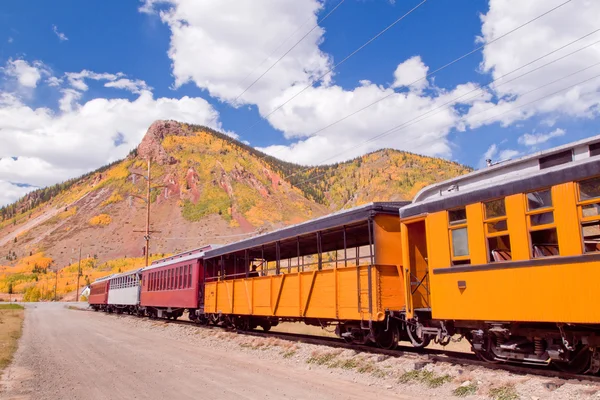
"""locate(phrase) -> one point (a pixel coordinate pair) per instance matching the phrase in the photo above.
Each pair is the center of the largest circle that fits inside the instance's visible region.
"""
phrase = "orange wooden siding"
(327, 294)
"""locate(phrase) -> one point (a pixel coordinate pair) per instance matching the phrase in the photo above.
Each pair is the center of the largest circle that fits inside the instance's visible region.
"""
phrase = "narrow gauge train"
(507, 257)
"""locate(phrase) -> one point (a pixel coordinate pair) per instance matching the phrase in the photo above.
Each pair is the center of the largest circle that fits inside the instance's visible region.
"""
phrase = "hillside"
(210, 189)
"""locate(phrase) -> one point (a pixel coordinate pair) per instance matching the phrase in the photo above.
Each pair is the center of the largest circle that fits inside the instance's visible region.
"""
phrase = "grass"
(11, 325)
(289, 353)
(464, 391)
(428, 378)
(361, 365)
(507, 392)
(322, 359)
(11, 306)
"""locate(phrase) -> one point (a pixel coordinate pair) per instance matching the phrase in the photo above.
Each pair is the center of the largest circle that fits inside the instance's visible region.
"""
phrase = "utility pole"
(78, 275)
(149, 187)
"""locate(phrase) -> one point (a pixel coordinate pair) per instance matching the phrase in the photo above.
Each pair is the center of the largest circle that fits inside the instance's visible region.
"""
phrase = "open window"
(541, 224)
(589, 214)
(459, 240)
(496, 231)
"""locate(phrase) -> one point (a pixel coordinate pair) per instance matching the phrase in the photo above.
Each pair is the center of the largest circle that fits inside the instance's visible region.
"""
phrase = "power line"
(424, 77)
(274, 51)
(454, 100)
(289, 50)
(312, 81)
(439, 69)
(548, 95)
(401, 127)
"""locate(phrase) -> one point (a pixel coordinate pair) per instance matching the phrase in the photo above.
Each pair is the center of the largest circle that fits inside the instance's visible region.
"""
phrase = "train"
(506, 257)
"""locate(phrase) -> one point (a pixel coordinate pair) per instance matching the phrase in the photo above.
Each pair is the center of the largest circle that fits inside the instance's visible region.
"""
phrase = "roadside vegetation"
(34, 277)
(11, 325)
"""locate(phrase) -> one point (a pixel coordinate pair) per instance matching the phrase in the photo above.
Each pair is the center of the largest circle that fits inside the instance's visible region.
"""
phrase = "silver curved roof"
(508, 177)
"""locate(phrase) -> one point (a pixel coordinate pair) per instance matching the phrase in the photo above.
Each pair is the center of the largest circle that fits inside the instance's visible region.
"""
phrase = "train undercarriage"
(571, 348)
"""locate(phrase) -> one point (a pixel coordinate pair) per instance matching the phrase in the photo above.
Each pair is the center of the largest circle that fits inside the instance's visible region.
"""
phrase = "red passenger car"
(98, 298)
(172, 285)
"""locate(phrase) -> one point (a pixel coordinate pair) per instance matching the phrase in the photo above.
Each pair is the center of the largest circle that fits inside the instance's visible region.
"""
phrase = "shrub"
(32, 294)
(101, 220)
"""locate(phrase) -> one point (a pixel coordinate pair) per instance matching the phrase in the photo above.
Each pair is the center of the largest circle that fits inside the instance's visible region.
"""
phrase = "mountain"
(210, 188)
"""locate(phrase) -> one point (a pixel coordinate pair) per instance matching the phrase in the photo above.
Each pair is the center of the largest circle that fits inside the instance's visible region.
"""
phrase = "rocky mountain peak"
(151, 145)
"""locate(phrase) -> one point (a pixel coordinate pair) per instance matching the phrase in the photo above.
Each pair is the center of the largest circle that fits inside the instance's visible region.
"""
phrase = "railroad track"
(423, 355)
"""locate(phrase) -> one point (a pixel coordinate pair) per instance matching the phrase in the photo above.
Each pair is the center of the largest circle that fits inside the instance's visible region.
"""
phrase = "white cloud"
(10, 192)
(134, 86)
(534, 139)
(218, 44)
(148, 6)
(27, 75)
(61, 36)
(568, 23)
(508, 154)
(319, 107)
(491, 152)
(77, 79)
(10, 39)
(54, 81)
(50, 146)
(411, 72)
(495, 155)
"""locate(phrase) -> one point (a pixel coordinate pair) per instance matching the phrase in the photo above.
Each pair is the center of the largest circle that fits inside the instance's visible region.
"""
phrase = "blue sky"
(60, 65)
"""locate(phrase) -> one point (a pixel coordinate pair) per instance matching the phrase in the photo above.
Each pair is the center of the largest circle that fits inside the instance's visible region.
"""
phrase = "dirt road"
(68, 354)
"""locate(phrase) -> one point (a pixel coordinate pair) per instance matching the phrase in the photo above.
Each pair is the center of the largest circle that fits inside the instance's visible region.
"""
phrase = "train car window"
(496, 231)
(185, 268)
(541, 224)
(180, 277)
(457, 217)
(538, 200)
(589, 214)
(189, 276)
(459, 239)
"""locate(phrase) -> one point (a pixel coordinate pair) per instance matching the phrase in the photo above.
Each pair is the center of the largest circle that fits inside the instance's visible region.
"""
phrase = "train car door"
(416, 271)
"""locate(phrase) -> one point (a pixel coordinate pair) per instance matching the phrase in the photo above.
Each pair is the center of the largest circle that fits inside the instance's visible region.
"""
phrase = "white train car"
(124, 292)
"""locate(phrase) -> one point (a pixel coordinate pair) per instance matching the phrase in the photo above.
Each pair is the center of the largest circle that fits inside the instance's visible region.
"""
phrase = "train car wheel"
(388, 339)
(266, 326)
(579, 363)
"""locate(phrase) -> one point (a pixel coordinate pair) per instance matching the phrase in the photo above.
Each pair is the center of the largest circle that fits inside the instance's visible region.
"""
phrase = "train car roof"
(546, 168)
(179, 259)
(343, 217)
(186, 253)
(133, 271)
(104, 278)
